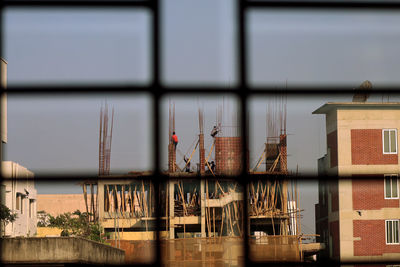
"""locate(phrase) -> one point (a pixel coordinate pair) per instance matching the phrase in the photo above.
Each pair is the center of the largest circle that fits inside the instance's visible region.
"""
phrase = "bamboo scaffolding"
(183, 199)
(191, 155)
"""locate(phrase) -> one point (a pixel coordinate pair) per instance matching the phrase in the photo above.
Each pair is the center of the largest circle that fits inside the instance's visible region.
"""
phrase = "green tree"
(6, 216)
(78, 224)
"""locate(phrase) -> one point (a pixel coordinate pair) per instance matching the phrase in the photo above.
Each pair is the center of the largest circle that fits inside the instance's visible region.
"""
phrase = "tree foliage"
(6, 215)
(77, 224)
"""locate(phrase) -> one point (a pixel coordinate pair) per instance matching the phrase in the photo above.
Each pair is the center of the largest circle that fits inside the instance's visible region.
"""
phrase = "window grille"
(241, 89)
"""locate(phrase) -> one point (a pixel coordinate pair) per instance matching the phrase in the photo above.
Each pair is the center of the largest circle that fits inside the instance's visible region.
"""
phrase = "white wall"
(3, 99)
(18, 181)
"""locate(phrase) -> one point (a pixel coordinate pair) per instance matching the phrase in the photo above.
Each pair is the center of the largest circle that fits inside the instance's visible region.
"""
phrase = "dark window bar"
(157, 90)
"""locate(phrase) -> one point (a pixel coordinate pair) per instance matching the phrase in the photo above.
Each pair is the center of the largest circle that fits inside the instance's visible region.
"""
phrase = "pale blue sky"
(59, 134)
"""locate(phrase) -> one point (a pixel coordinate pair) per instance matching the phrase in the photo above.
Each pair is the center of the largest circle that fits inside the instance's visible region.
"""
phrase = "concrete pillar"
(285, 204)
(247, 216)
(171, 184)
(283, 152)
(202, 154)
(203, 208)
(100, 199)
(171, 158)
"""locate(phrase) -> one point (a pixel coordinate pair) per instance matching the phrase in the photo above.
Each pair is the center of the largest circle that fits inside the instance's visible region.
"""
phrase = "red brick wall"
(367, 149)
(333, 145)
(228, 155)
(369, 194)
(373, 242)
(333, 189)
(334, 233)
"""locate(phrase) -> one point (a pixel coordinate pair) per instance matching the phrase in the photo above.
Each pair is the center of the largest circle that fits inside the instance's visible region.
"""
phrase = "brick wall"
(334, 233)
(367, 149)
(333, 146)
(368, 194)
(171, 158)
(228, 151)
(372, 234)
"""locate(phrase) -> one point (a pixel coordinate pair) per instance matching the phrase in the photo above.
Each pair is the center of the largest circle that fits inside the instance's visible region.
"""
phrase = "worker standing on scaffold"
(174, 139)
(214, 131)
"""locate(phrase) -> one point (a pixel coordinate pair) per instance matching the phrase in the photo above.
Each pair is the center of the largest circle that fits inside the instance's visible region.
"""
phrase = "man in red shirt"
(174, 139)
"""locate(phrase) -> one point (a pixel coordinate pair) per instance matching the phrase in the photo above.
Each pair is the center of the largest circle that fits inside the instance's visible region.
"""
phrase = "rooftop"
(356, 105)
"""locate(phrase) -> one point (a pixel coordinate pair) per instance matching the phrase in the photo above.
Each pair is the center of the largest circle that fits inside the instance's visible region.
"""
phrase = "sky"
(56, 134)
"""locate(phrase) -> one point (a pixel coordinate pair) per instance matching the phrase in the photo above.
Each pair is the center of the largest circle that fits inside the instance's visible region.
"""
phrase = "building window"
(389, 141)
(19, 201)
(391, 186)
(22, 204)
(392, 232)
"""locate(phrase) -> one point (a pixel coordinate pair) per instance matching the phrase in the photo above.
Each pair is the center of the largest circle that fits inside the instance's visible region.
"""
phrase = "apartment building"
(19, 195)
(17, 188)
(358, 217)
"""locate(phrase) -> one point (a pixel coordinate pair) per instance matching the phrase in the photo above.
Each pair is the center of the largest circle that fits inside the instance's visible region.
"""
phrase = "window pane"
(182, 113)
(390, 231)
(290, 46)
(77, 45)
(393, 141)
(396, 231)
(63, 133)
(198, 40)
(387, 187)
(386, 141)
(394, 187)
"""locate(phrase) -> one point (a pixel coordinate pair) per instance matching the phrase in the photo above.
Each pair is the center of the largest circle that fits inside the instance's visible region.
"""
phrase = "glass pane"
(54, 134)
(222, 150)
(389, 232)
(266, 112)
(396, 231)
(198, 40)
(209, 229)
(394, 187)
(70, 46)
(393, 142)
(386, 141)
(288, 47)
(122, 208)
(388, 187)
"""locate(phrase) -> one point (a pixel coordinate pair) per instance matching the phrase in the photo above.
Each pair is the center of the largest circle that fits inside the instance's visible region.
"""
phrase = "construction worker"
(174, 139)
(212, 165)
(214, 131)
(188, 164)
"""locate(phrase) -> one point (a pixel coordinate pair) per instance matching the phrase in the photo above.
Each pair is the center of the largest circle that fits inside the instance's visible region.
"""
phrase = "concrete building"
(358, 217)
(18, 191)
(3, 106)
(19, 195)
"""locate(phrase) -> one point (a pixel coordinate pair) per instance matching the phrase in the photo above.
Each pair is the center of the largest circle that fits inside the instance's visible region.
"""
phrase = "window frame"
(156, 89)
(395, 141)
(398, 231)
(391, 186)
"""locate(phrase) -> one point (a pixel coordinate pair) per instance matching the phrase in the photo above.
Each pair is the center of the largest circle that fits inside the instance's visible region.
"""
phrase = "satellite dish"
(362, 93)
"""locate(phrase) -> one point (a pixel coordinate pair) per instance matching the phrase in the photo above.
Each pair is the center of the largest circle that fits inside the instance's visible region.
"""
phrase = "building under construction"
(202, 212)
